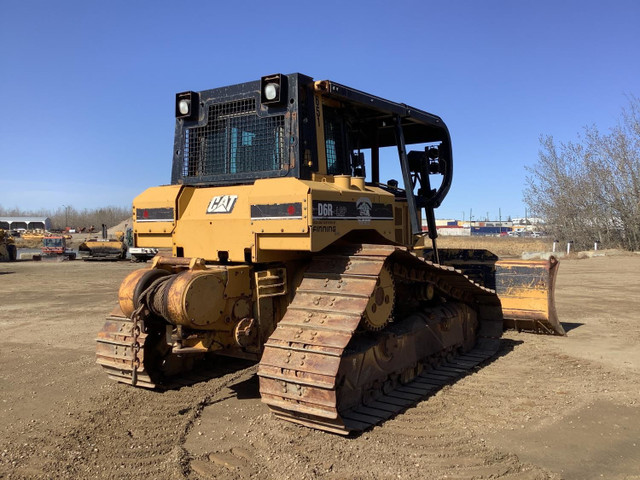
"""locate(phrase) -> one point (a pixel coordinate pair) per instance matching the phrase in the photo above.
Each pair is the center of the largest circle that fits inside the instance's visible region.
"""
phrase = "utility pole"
(66, 216)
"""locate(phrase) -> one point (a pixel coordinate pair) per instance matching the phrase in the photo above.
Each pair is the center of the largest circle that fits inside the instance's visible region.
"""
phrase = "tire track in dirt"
(467, 430)
(120, 434)
(426, 441)
(491, 401)
(444, 436)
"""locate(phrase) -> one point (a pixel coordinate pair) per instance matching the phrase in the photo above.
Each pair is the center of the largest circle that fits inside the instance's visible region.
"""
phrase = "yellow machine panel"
(247, 222)
(154, 216)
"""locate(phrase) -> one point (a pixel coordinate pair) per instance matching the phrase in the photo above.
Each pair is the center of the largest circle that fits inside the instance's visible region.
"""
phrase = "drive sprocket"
(379, 311)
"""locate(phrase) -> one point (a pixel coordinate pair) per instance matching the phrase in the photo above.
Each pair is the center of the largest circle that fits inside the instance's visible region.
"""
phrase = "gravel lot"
(543, 408)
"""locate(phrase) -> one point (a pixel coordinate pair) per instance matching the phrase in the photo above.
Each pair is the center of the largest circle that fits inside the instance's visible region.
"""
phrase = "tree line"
(588, 190)
(71, 217)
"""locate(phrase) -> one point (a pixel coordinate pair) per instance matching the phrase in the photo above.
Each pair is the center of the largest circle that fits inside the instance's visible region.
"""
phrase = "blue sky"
(87, 88)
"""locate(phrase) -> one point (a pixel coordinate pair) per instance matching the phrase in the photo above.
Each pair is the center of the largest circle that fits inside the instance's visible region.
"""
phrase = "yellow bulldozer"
(8, 250)
(289, 250)
(105, 248)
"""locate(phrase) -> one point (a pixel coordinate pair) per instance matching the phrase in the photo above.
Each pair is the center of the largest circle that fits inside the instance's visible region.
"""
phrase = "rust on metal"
(318, 371)
(526, 291)
(525, 287)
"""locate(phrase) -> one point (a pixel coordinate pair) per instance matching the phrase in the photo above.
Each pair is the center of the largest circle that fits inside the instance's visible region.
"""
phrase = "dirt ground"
(543, 408)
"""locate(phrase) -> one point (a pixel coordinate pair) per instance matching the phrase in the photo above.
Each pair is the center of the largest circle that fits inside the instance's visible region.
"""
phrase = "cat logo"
(222, 204)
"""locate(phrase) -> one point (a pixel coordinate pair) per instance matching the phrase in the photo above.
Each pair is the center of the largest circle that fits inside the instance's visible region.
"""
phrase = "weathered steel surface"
(151, 364)
(525, 287)
(526, 291)
(318, 371)
(117, 354)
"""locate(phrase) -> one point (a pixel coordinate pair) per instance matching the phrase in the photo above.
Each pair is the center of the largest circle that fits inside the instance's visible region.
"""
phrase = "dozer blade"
(526, 291)
(104, 253)
(525, 287)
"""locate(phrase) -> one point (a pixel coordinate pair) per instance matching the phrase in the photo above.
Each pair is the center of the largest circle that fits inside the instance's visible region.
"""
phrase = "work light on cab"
(187, 105)
(271, 89)
(184, 106)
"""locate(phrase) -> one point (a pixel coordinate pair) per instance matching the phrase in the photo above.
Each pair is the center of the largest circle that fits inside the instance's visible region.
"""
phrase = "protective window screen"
(337, 161)
(235, 140)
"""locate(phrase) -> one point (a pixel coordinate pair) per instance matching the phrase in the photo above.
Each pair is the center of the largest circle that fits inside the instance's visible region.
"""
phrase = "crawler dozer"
(290, 251)
(104, 248)
(8, 250)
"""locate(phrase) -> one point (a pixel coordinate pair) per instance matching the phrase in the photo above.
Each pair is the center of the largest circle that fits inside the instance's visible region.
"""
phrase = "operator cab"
(53, 242)
(293, 126)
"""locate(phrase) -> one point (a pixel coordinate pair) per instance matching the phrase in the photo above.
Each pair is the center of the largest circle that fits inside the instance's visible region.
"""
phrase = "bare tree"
(589, 190)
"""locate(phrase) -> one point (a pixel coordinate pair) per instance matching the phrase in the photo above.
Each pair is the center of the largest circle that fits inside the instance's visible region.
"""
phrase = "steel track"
(305, 358)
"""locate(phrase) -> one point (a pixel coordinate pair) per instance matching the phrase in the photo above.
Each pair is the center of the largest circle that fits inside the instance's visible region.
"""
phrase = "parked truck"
(55, 247)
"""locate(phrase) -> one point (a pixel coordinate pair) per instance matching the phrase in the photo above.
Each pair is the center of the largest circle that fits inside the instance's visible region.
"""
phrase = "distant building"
(485, 227)
(528, 221)
(26, 223)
